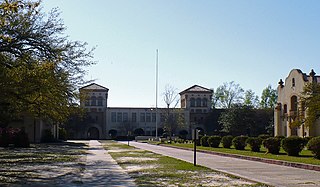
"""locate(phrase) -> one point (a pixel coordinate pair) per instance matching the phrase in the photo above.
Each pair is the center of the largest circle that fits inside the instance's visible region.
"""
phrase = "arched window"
(192, 102)
(93, 101)
(204, 102)
(285, 109)
(293, 82)
(294, 103)
(100, 101)
(198, 102)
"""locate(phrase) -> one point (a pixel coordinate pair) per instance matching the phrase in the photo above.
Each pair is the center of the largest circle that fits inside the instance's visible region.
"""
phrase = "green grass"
(159, 170)
(305, 157)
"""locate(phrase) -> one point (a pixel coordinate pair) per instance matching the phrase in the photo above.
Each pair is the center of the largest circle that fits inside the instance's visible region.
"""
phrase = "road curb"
(265, 160)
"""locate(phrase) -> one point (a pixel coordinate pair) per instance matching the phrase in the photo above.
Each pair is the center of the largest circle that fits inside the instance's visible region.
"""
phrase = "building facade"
(105, 122)
(289, 108)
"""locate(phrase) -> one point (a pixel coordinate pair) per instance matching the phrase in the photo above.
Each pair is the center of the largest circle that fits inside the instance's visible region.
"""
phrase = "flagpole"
(157, 60)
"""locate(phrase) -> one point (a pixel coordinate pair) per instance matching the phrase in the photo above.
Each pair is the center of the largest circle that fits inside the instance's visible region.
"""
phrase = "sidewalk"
(102, 170)
(274, 175)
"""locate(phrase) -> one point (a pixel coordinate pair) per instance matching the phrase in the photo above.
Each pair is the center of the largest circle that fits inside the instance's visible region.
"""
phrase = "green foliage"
(264, 136)
(227, 94)
(311, 101)
(306, 139)
(47, 136)
(292, 145)
(227, 141)
(268, 98)
(204, 141)
(63, 134)
(254, 143)
(314, 146)
(251, 99)
(239, 142)
(214, 141)
(40, 69)
(272, 144)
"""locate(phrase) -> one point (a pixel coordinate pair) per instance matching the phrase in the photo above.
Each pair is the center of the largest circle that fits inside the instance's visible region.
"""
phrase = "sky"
(205, 42)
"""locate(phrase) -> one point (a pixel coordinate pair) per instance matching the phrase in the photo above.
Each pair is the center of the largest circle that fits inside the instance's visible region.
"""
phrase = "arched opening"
(294, 103)
(100, 101)
(293, 82)
(93, 101)
(204, 102)
(93, 133)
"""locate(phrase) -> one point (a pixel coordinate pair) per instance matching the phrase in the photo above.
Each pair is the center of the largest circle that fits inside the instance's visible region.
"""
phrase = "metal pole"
(157, 59)
(195, 147)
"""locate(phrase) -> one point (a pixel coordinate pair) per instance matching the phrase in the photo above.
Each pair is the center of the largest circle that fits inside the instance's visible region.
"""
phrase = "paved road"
(270, 174)
(103, 170)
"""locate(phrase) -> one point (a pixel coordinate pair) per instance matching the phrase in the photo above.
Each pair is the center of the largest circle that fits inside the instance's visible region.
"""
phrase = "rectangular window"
(162, 117)
(119, 117)
(134, 117)
(148, 117)
(142, 117)
(113, 117)
(125, 117)
(153, 117)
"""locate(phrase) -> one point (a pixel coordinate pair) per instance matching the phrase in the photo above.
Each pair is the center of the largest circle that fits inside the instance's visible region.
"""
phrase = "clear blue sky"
(204, 42)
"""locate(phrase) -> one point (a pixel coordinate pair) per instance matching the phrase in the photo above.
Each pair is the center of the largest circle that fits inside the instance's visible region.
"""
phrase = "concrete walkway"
(102, 170)
(274, 175)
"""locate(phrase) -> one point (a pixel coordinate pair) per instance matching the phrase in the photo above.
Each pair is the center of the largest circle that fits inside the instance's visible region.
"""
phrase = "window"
(162, 117)
(134, 117)
(93, 101)
(285, 109)
(142, 117)
(204, 102)
(113, 117)
(154, 117)
(100, 101)
(125, 117)
(119, 117)
(192, 102)
(198, 102)
(198, 111)
(148, 117)
(293, 82)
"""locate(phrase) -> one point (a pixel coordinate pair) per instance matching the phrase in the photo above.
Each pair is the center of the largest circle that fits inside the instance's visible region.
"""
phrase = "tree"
(172, 116)
(268, 97)
(40, 69)
(228, 94)
(310, 99)
(251, 99)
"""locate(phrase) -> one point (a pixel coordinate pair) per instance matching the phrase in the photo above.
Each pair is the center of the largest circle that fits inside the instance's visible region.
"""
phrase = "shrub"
(214, 141)
(292, 145)
(227, 141)
(314, 146)
(272, 144)
(264, 136)
(254, 143)
(307, 139)
(47, 136)
(63, 134)
(239, 142)
(280, 137)
(204, 141)
(21, 139)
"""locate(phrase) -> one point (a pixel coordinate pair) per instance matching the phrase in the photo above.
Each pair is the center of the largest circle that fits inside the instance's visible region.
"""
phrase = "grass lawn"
(150, 169)
(41, 163)
(305, 157)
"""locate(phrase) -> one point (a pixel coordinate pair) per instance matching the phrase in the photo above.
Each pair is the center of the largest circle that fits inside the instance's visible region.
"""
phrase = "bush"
(254, 143)
(292, 145)
(314, 146)
(307, 139)
(272, 144)
(264, 136)
(62, 134)
(47, 136)
(227, 141)
(214, 141)
(239, 142)
(21, 139)
(204, 141)
(280, 137)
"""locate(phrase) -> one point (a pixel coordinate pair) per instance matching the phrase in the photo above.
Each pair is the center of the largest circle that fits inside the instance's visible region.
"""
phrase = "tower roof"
(197, 89)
